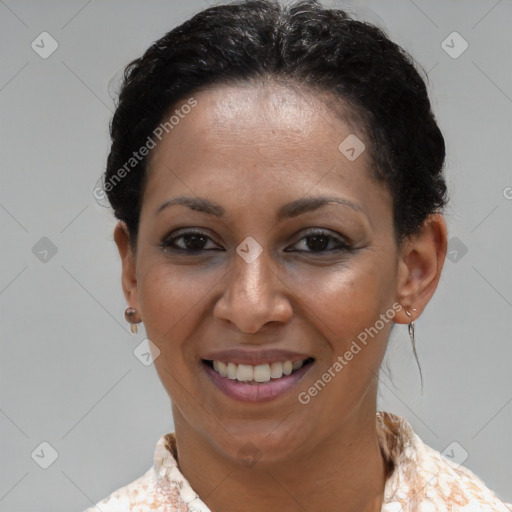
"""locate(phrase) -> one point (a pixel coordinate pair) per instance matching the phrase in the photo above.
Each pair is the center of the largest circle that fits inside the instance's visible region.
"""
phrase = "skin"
(251, 149)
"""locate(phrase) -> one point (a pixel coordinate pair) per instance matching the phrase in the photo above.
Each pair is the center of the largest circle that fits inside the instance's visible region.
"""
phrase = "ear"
(420, 264)
(128, 276)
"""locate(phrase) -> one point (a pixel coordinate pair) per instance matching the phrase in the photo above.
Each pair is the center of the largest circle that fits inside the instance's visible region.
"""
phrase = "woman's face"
(257, 279)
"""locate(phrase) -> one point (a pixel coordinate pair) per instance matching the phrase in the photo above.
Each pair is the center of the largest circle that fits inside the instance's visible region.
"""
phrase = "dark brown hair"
(306, 45)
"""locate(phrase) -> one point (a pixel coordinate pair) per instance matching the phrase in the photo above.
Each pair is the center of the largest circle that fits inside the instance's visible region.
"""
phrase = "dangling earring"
(129, 315)
(411, 326)
(413, 341)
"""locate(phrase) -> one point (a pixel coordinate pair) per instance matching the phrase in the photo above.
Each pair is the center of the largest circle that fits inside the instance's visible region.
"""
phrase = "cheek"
(168, 299)
(345, 307)
(345, 301)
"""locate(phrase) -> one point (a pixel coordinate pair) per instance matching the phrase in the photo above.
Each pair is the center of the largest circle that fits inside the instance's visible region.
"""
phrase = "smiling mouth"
(257, 374)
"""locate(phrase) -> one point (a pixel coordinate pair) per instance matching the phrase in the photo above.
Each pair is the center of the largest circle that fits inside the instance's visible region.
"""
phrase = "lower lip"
(256, 391)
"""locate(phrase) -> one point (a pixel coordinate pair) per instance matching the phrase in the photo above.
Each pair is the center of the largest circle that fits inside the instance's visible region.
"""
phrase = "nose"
(254, 295)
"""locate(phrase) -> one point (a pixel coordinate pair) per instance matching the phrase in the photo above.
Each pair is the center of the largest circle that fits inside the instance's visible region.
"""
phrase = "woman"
(277, 174)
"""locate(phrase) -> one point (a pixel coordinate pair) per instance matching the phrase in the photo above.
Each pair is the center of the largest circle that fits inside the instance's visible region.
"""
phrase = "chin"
(265, 445)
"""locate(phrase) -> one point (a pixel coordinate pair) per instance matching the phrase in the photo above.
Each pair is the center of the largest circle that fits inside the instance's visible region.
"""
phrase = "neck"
(345, 471)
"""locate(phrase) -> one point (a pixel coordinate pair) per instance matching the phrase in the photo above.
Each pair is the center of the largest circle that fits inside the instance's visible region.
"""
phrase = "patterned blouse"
(422, 479)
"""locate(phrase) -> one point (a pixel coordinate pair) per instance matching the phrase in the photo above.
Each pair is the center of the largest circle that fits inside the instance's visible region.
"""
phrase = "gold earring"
(129, 315)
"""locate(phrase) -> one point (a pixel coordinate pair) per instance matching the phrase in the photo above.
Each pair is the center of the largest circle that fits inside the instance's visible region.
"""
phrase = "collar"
(419, 477)
(396, 439)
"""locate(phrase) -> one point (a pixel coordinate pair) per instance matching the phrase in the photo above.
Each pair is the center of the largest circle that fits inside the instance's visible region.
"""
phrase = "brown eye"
(189, 241)
(321, 241)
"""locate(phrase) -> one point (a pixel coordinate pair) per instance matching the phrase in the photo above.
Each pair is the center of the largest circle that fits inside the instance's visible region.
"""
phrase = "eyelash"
(167, 243)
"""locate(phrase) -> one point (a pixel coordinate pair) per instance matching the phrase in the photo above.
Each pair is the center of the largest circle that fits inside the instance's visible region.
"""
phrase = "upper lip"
(255, 357)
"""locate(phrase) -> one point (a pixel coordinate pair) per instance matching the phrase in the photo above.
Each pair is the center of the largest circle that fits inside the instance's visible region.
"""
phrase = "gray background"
(69, 376)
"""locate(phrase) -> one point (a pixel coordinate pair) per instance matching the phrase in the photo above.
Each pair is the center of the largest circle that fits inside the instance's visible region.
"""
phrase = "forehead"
(278, 114)
(259, 139)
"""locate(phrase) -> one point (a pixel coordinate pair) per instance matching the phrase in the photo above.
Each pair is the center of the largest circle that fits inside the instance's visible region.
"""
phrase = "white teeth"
(223, 369)
(297, 365)
(262, 373)
(231, 371)
(258, 373)
(244, 372)
(276, 370)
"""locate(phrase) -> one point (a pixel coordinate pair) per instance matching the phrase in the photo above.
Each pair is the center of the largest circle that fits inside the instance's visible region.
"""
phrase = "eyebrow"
(289, 210)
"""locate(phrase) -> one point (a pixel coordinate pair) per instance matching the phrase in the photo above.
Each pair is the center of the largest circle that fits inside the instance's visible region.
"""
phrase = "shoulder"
(158, 489)
(140, 493)
(456, 485)
(425, 480)
(161, 489)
